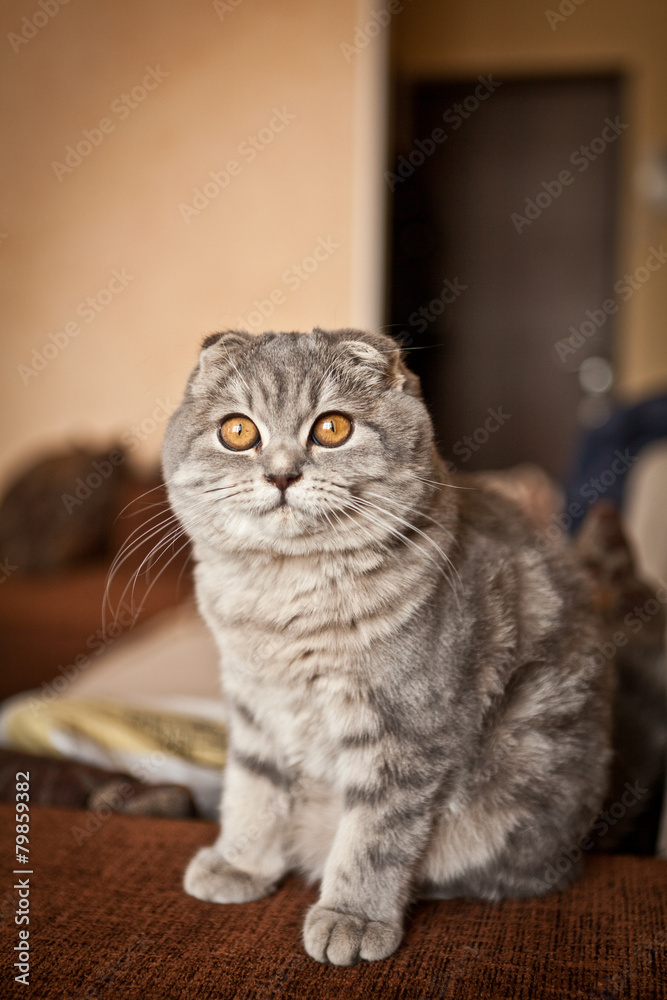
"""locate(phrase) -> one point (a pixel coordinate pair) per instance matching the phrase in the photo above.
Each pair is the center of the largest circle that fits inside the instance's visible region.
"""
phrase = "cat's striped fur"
(414, 704)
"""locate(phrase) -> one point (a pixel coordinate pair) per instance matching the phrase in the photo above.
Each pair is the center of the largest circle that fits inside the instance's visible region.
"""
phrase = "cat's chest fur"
(303, 643)
(289, 608)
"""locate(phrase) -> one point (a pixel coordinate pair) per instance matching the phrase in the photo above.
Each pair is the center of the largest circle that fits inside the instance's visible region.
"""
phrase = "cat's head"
(294, 442)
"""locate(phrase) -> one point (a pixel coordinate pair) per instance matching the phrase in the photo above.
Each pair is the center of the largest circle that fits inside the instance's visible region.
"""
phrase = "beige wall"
(467, 37)
(218, 76)
(318, 179)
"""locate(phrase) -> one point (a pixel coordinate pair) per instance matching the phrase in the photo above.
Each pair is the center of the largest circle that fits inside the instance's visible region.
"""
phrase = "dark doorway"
(504, 208)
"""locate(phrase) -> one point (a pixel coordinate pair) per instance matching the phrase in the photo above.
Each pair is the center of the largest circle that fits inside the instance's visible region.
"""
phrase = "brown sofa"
(108, 918)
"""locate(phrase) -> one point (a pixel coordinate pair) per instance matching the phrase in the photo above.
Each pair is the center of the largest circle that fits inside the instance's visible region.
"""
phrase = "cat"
(415, 707)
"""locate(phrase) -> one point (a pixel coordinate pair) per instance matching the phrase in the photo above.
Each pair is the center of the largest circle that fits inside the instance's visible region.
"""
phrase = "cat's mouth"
(292, 510)
(282, 504)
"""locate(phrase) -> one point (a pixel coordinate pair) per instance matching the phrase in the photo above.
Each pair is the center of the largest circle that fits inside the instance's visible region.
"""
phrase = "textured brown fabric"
(109, 919)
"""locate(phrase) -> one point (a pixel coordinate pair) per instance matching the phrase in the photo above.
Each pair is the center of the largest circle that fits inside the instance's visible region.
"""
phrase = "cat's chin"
(288, 521)
(291, 516)
(281, 522)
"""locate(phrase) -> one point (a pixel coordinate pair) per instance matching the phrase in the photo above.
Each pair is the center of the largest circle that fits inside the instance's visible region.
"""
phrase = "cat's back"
(507, 569)
(486, 514)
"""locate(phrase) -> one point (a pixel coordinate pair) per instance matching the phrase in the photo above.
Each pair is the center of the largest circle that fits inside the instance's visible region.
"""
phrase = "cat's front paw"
(344, 938)
(211, 878)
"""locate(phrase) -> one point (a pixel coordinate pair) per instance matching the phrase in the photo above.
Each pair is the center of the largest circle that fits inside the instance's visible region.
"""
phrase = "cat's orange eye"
(238, 433)
(331, 429)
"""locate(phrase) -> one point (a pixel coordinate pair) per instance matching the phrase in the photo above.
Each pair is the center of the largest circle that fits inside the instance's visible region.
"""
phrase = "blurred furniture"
(646, 510)
(47, 620)
(612, 455)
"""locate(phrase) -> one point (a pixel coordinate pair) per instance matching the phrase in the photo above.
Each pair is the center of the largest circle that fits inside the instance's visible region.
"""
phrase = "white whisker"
(413, 527)
(160, 486)
(229, 358)
(433, 482)
(397, 533)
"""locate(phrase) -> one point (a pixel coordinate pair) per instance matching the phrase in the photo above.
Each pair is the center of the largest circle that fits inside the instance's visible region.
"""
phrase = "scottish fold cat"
(415, 708)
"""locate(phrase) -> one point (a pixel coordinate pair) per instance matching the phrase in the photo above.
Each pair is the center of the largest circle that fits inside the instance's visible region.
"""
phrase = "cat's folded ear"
(380, 361)
(229, 339)
(217, 353)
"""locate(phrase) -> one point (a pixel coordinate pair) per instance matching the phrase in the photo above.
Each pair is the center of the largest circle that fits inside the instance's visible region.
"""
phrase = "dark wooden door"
(502, 249)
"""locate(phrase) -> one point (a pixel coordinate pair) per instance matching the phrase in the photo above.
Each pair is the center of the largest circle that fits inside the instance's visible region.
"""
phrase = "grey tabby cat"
(415, 709)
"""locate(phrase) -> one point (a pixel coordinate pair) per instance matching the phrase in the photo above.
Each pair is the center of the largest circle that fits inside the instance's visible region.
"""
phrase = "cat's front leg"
(368, 873)
(248, 858)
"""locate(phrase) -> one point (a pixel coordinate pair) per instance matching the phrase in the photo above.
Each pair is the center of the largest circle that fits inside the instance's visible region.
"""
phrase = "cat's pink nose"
(283, 479)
